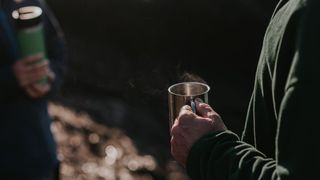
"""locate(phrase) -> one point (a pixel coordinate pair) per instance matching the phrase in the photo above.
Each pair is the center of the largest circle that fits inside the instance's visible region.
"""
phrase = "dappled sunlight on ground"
(91, 151)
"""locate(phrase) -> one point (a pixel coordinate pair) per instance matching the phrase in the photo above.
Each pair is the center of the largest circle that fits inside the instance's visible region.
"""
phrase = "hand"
(37, 90)
(31, 69)
(189, 127)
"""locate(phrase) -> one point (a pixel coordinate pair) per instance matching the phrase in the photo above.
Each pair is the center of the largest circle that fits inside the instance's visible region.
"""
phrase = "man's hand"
(189, 127)
(31, 70)
(38, 90)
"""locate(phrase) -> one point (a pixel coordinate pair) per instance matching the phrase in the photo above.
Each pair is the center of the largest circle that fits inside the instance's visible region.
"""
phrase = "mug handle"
(193, 105)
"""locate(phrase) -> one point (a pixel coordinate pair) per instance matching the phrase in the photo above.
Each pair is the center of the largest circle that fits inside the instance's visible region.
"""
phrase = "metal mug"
(185, 93)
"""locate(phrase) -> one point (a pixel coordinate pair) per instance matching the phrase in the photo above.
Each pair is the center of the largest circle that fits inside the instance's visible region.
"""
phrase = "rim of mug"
(189, 82)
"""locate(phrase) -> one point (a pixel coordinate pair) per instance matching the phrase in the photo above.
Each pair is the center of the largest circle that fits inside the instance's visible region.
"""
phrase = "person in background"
(280, 137)
(27, 146)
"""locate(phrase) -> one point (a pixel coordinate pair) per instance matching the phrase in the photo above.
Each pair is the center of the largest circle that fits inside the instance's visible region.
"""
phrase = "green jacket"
(280, 138)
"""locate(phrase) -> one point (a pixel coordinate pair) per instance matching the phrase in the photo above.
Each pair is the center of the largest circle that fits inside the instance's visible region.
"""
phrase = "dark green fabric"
(280, 138)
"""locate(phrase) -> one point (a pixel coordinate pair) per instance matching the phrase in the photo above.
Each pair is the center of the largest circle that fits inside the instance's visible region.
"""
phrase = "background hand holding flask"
(32, 69)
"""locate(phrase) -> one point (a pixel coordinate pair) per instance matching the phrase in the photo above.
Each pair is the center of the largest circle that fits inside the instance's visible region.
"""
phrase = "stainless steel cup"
(184, 93)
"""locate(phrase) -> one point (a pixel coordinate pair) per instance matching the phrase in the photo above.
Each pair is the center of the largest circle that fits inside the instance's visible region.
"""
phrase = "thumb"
(203, 109)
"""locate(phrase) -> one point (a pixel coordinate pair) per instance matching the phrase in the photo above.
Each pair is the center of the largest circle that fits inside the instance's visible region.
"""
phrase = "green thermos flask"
(30, 32)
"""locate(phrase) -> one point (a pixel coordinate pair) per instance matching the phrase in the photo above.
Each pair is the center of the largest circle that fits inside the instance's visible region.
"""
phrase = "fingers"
(203, 109)
(186, 114)
(39, 73)
(42, 64)
(32, 59)
(34, 77)
(179, 148)
(174, 128)
(185, 109)
(38, 90)
(189, 127)
(51, 76)
(27, 73)
(30, 91)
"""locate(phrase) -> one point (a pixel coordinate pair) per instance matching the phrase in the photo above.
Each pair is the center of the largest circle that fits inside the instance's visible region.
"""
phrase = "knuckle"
(173, 141)
(186, 107)
(175, 130)
(202, 105)
(185, 118)
(205, 106)
(186, 115)
(214, 116)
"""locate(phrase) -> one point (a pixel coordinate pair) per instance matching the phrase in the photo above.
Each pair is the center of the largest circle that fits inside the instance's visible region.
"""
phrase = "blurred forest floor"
(89, 150)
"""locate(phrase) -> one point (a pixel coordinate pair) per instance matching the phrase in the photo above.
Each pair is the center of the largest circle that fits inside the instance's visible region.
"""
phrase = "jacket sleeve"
(9, 84)
(222, 155)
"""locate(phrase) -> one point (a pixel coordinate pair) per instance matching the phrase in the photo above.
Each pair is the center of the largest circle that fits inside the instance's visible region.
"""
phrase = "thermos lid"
(27, 16)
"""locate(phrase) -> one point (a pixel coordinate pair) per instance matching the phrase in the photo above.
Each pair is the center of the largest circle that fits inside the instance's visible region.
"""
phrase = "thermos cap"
(27, 16)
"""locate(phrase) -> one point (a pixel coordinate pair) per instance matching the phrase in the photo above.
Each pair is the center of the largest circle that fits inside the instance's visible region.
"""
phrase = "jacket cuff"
(199, 152)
